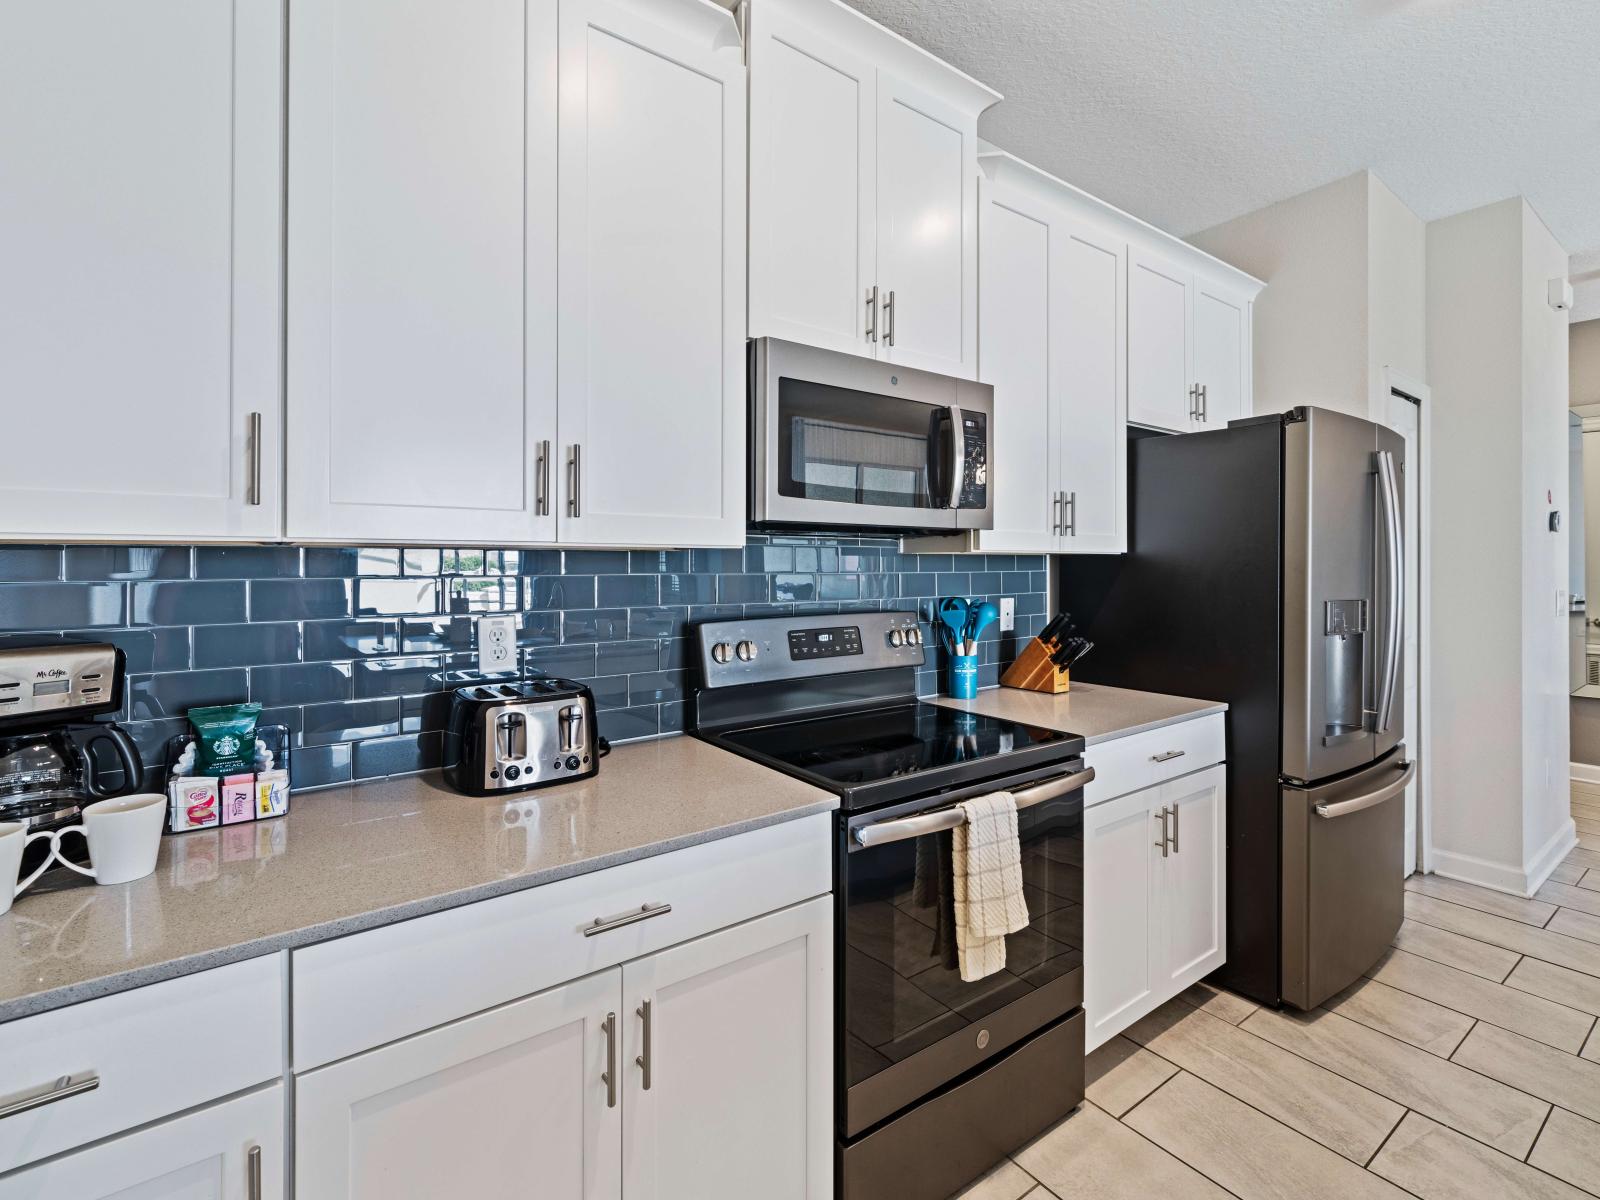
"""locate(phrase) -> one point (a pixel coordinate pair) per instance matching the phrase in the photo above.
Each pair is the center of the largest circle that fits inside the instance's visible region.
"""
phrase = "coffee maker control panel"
(60, 681)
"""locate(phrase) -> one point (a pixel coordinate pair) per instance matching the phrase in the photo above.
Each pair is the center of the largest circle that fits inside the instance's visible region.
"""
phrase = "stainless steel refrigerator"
(1266, 568)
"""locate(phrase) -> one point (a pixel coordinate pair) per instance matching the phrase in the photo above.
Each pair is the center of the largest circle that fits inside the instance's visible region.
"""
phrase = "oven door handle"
(897, 830)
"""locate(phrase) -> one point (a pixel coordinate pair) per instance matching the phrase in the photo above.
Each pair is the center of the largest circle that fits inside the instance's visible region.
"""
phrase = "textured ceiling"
(1189, 112)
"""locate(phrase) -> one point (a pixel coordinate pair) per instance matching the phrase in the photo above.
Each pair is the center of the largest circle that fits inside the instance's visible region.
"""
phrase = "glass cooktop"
(848, 751)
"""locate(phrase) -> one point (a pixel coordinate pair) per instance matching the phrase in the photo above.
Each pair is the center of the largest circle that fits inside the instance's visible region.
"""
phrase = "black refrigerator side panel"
(1194, 609)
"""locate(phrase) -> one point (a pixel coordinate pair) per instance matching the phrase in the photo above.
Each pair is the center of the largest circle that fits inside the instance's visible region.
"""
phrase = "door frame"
(1397, 383)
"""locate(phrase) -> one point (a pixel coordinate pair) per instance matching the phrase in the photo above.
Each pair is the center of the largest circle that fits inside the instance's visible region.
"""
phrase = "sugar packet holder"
(202, 802)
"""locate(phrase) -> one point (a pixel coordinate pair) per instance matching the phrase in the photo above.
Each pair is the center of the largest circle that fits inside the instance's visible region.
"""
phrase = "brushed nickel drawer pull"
(609, 1075)
(252, 1176)
(1166, 839)
(643, 913)
(1168, 756)
(62, 1089)
(643, 1060)
(252, 453)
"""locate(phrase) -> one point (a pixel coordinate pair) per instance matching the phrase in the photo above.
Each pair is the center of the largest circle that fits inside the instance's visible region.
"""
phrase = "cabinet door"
(1016, 348)
(927, 231)
(813, 185)
(421, 352)
(1090, 389)
(1221, 353)
(739, 1052)
(497, 1104)
(228, 1151)
(1158, 343)
(1121, 898)
(1194, 904)
(652, 250)
(140, 220)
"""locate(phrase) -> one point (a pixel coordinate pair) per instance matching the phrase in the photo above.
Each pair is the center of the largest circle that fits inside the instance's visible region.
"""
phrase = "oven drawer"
(450, 964)
(1142, 760)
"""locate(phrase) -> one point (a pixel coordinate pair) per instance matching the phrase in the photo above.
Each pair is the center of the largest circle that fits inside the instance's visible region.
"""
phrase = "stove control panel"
(765, 649)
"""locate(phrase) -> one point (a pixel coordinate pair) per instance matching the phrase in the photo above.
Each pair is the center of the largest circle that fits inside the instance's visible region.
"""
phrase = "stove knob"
(914, 636)
(897, 637)
(746, 651)
(722, 652)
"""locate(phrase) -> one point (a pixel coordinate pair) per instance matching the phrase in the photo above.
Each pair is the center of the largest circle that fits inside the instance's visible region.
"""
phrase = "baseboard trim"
(1550, 855)
(1499, 877)
(1584, 772)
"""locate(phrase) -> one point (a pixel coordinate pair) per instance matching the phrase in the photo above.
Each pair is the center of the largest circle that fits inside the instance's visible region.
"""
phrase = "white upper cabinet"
(140, 221)
(422, 333)
(451, 161)
(1188, 341)
(652, 271)
(863, 189)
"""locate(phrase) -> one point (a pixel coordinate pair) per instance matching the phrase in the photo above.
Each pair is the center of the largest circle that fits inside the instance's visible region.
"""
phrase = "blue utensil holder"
(963, 676)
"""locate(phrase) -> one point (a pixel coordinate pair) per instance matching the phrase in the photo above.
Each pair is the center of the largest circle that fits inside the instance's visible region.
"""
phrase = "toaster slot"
(511, 736)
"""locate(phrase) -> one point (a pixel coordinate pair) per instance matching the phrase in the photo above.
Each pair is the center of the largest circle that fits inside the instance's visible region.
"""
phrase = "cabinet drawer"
(156, 1050)
(1141, 760)
(375, 987)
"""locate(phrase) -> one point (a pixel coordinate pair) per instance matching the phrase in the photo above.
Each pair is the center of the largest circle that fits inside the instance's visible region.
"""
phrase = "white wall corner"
(1549, 856)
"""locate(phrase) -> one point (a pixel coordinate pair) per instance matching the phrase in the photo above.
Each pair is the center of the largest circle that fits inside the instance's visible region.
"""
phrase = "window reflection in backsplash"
(356, 648)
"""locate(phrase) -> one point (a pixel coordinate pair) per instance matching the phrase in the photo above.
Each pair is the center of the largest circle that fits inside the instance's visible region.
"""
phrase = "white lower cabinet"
(1154, 903)
(702, 1071)
(228, 1151)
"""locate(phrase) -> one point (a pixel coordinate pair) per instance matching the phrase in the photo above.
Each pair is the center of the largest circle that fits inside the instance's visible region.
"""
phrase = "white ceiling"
(1190, 113)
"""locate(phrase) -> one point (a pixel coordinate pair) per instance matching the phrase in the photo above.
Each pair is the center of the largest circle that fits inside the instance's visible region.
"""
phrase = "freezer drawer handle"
(1168, 756)
(948, 818)
(1388, 791)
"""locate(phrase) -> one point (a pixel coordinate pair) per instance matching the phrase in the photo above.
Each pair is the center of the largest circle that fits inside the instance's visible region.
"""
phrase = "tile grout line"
(1534, 1145)
(1373, 1157)
(1553, 932)
(1177, 1071)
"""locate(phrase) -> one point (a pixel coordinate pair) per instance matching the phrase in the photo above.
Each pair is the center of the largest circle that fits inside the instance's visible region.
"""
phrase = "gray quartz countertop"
(368, 854)
(1095, 711)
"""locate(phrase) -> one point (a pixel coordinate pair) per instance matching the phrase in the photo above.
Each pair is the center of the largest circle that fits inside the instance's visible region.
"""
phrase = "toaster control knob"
(897, 637)
(746, 651)
(722, 652)
(914, 636)
(572, 763)
(513, 771)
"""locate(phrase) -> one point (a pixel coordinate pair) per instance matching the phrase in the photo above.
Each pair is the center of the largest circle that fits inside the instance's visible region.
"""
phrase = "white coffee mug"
(13, 839)
(124, 836)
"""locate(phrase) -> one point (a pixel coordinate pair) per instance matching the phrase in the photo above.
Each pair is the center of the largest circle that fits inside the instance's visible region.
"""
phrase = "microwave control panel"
(975, 460)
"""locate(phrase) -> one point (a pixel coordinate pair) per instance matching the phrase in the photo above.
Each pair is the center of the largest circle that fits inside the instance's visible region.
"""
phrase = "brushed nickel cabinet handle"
(1072, 514)
(1205, 404)
(1168, 756)
(574, 480)
(1165, 838)
(252, 1174)
(1175, 847)
(541, 481)
(1194, 402)
(62, 1089)
(644, 1059)
(889, 311)
(872, 313)
(609, 1075)
(1055, 515)
(643, 913)
(252, 459)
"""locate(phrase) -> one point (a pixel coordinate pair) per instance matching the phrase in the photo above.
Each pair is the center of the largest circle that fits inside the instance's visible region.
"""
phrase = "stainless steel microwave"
(837, 440)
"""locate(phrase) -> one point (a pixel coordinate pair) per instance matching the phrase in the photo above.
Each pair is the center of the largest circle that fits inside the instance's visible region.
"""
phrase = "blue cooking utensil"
(983, 616)
(954, 613)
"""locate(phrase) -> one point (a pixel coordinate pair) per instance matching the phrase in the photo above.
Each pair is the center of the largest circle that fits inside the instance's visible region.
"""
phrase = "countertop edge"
(136, 977)
(1161, 723)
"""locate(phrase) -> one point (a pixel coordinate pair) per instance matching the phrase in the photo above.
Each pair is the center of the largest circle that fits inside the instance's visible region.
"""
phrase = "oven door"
(909, 1025)
(842, 440)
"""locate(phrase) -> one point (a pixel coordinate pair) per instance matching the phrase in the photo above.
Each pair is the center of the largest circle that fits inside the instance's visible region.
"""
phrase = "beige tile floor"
(1465, 1066)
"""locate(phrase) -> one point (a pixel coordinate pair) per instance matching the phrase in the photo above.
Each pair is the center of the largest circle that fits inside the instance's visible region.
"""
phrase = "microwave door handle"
(958, 454)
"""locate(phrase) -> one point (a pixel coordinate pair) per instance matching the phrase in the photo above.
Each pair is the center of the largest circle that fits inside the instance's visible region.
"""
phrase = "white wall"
(1584, 365)
(1397, 286)
(1496, 364)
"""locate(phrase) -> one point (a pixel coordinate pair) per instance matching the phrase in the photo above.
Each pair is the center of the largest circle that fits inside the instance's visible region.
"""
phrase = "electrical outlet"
(1008, 613)
(497, 644)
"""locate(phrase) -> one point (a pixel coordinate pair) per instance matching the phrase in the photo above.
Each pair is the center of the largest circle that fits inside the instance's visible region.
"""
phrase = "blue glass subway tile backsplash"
(356, 649)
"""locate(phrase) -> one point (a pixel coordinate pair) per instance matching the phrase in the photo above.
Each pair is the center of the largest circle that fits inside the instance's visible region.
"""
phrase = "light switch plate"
(497, 644)
(1008, 613)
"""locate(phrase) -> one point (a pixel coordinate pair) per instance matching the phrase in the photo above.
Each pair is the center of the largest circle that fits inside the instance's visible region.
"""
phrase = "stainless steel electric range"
(936, 1079)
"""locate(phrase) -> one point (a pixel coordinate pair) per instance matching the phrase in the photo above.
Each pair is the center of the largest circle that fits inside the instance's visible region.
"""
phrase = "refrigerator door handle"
(1388, 791)
(1394, 627)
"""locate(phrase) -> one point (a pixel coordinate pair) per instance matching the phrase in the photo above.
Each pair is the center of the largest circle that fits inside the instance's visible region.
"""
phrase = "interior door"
(729, 1057)
(228, 1151)
(1016, 348)
(927, 231)
(1221, 348)
(652, 253)
(1195, 908)
(421, 353)
(1089, 387)
(1158, 343)
(813, 186)
(1333, 628)
(140, 255)
(479, 1107)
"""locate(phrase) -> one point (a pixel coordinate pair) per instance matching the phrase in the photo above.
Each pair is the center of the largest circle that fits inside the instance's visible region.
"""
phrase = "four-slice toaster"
(506, 737)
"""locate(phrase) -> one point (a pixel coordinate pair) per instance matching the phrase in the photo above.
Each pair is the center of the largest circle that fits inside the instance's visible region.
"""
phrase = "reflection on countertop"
(1094, 711)
(368, 854)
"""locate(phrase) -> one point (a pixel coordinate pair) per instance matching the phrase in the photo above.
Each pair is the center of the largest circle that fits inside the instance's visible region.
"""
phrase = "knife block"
(1033, 671)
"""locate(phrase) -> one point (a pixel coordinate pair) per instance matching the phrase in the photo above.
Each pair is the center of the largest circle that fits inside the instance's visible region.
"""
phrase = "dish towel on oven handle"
(986, 862)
